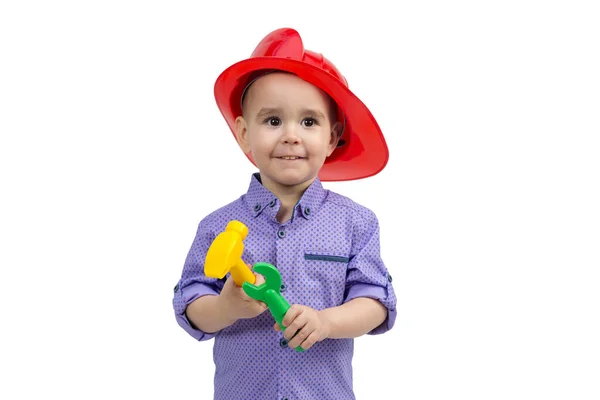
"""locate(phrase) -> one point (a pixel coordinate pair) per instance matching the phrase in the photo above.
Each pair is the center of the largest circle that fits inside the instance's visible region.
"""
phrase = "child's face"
(288, 129)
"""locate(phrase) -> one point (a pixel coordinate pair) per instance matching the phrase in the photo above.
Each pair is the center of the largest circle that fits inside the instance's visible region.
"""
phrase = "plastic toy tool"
(225, 255)
(269, 293)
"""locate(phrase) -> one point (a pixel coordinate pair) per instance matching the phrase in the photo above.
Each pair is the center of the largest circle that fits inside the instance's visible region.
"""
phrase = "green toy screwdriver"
(269, 293)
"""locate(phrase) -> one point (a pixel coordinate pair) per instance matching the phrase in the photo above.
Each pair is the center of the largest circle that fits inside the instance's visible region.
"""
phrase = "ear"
(336, 131)
(241, 134)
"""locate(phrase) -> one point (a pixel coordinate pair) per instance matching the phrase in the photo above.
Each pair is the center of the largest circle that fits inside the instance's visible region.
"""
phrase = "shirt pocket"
(324, 276)
(326, 257)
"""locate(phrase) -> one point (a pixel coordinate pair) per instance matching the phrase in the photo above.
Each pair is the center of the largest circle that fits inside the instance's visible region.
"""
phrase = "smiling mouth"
(290, 158)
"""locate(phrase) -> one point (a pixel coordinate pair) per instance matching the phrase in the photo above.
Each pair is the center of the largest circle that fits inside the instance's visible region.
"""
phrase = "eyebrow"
(311, 111)
(266, 111)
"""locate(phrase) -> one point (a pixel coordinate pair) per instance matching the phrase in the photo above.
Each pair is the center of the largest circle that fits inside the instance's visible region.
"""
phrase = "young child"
(294, 117)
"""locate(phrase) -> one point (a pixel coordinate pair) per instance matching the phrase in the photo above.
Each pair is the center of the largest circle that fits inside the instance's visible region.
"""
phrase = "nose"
(290, 135)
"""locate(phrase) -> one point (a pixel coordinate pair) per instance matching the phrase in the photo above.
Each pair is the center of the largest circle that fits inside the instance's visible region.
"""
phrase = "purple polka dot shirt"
(327, 254)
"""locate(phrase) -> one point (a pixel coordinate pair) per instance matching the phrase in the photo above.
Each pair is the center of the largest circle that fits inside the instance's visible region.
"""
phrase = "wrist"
(226, 311)
(327, 323)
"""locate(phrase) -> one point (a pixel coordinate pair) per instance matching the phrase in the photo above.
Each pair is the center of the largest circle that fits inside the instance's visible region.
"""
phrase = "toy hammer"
(225, 255)
(269, 293)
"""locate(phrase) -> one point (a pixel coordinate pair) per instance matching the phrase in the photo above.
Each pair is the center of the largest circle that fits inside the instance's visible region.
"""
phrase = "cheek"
(262, 142)
(319, 145)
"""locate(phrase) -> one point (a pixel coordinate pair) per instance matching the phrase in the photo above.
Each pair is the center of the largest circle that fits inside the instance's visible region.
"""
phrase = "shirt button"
(257, 207)
(307, 211)
(283, 342)
(389, 278)
(281, 233)
(283, 287)
(272, 203)
(176, 288)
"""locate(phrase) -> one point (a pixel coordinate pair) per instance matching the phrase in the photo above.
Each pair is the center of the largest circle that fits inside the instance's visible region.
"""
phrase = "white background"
(112, 149)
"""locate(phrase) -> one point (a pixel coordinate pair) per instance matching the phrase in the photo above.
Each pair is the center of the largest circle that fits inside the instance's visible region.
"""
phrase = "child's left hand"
(310, 324)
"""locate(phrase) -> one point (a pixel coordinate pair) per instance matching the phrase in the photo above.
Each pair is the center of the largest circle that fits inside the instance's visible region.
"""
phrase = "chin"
(290, 179)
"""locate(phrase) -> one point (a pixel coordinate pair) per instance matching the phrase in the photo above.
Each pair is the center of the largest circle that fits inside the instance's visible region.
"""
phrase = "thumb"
(259, 279)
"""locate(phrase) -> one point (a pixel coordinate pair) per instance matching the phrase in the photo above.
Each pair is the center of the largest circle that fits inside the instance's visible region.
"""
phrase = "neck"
(288, 196)
(287, 206)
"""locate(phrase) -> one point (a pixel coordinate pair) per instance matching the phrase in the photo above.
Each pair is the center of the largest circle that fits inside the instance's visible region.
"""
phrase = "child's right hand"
(236, 304)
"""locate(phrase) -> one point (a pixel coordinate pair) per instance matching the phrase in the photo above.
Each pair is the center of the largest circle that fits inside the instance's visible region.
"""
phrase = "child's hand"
(236, 304)
(310, 324)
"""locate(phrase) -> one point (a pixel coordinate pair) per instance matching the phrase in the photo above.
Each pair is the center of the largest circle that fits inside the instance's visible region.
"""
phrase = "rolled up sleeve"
(194, 284)
(367, 274)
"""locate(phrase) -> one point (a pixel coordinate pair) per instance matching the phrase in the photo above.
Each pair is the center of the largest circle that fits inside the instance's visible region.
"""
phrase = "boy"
(293, 116)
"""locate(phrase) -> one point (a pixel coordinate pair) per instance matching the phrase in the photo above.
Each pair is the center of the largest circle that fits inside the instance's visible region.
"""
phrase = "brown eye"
(273, 121)
(309, 122)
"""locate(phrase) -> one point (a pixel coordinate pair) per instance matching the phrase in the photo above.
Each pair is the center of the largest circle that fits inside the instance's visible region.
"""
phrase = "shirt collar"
(258, 198)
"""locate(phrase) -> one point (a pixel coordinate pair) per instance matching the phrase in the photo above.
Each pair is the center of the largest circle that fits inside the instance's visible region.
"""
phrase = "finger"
(296, 326)
(277, 327)
(259, 279)
(291, 315)
(228, 280)
(310, 341)
(300, 336)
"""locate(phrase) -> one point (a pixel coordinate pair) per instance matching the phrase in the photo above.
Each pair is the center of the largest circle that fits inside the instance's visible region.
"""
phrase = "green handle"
(278, 306)
(269, 293)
